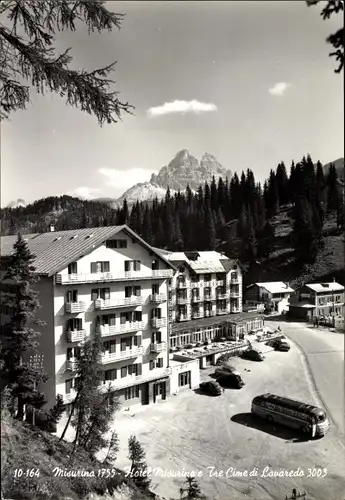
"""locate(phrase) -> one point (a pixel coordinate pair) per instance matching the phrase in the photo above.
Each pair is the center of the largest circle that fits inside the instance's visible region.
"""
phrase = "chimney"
(333, 280)
(51, 228)
(287, 285)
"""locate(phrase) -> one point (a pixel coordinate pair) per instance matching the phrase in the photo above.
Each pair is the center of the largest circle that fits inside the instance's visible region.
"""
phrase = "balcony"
(197, 315)
(220, 283)
(75, 307)
(75, 335)
(158, 322)
(156, 298)
(222, 295)
(196, 298)
(107, 330)
(136, 379)
(182, 300)
(112, 357)
(221, 311)
(158, 347)
(234, 295)
(209, 298)
(67, 279)
(182, 317)
(209, 314)
(68, 398)
(181, 286)
(234, 280)
(234, 310)
(104, 304)
(71, 364)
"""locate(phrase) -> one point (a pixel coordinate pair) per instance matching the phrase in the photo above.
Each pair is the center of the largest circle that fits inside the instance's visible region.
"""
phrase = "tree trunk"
(70, 417)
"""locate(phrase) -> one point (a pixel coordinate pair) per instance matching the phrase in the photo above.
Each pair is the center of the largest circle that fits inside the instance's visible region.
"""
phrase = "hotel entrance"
(159, 391)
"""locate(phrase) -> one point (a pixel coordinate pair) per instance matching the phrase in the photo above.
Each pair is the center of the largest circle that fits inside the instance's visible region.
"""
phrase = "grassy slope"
(23, 447)
(282, 266)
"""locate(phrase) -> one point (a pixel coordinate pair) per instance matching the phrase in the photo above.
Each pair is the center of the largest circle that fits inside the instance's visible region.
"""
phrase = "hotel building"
(205, 299)
(104, 279)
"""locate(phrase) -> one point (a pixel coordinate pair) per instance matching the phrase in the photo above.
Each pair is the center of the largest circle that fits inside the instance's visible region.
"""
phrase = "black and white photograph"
(172, 257)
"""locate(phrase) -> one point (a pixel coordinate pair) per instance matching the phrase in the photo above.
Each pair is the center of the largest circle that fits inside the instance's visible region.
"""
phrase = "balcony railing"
(208, 314)
(158, 298)
(158, 322)
(196, 298)
(111, 357)
(234, 280)
(122, 302)
(221, 311)
(220, 282)
(137, 379)
(182, 317)
(223, 295)
(75, 307)
(106, 330)
(234, 295)
(66, 279)
(71, 364)
(75, 335)
(197, 315)
(158, 347)
(234, 310)
(182, 300)
(209, 298)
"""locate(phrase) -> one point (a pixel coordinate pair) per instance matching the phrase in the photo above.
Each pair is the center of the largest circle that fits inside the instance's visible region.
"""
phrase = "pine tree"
(113, 448)
(27, 41)
(306, 231)
(333, 195)
(137, 457)
(22, 374)
(191, 490)
(282, 184)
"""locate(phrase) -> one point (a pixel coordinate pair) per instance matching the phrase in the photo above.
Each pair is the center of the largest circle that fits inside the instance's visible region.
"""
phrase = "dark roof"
(54, 250)
(214, 320)
(228, 264)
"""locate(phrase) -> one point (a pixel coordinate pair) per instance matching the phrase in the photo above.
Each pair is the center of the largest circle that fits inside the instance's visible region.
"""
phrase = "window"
(207, 293)
(108, 319)
(195, 279)
(159, 363)
(124, 371)
(132, 265)
(73, 268)
(155, 313)
(155, 289)
(72, 296)
(156, 338)
(184, 379)
(73, 352)
(207, 277)
(152, 364)
(100, 293)
(131, 291)
(137, 340)
(116, 243)
(110, 375)
(69, 385)
(110, 345)
(132, 392)
(155, 265)
(100, 267)
(173, 341)
(126, 343)
(74, 324)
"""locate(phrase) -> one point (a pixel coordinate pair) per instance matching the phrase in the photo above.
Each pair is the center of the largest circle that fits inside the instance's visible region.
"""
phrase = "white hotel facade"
(109, 280)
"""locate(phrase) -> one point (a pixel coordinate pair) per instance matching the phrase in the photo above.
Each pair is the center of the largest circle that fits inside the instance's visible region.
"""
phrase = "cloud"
(279, 88)
(83, 192)
(182, 107)
(124, 179)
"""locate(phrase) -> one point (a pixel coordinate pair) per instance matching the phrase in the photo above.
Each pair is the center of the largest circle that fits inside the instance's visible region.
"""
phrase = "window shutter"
(152, 365)
(138, 264)
(139, 369)
(69, 296)
(112, 319)
(138, 339)
(123, 344)
(93, 267)
(106, 267)
(138, 291)
(131, 369)
(123, 371)
(127, 268)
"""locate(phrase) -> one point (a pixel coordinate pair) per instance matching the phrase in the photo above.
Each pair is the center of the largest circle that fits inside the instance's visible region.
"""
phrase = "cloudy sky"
(250, 82)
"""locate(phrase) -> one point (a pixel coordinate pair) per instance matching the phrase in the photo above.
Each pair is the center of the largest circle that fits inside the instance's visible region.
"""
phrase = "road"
(324, 351)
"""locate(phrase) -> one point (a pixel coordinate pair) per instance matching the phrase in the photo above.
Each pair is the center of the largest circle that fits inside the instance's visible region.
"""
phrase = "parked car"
(225, 369)
(212, 388)
(253, 355)
(281, 345)
(231, 381)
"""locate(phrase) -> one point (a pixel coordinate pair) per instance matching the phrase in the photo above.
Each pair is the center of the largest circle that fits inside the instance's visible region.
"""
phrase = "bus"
(307, 418)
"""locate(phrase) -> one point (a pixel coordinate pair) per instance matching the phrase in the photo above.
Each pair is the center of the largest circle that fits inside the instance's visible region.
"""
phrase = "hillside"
(26, 448)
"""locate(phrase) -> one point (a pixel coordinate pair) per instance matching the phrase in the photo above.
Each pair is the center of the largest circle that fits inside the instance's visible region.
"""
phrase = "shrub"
(211, 387)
